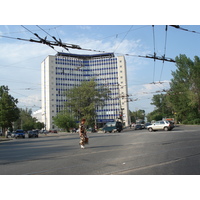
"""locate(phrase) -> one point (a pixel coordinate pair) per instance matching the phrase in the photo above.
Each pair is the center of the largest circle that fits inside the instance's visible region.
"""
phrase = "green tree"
(162, 108)
(138, 114)
(26, 121)
(155, 115)
(184, 94)
(39, 125)
(8, 108)
(65, 120)
(82, 101)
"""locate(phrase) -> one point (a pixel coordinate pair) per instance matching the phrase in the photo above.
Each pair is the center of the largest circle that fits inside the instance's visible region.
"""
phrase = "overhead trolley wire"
(73, 46)
(124, 38)
(43, 41)
(166, 28)
(154, 44)
(184, 29)
(58, 41)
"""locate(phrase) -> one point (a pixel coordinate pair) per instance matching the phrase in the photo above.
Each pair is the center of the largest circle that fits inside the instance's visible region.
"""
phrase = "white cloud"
(31, 101)
(84, 27)
(141, 95)
(19, 57)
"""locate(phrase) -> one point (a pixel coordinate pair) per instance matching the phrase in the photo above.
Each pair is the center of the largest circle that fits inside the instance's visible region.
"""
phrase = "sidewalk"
(5, 139)
(2, 139)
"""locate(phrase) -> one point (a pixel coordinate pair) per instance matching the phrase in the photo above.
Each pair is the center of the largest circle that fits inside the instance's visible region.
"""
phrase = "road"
(131, 152)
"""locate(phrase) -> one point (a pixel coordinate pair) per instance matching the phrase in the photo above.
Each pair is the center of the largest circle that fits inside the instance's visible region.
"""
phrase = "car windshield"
(110, 124)
(19, 131)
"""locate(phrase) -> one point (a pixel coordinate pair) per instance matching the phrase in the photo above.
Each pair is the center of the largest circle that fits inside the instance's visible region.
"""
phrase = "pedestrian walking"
(6, 133)
(83, 134)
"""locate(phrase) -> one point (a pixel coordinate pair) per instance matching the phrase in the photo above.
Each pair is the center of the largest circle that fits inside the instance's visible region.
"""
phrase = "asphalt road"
(131, 152)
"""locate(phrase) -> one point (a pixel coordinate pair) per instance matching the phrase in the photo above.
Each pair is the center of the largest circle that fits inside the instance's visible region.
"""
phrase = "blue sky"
(20, 60)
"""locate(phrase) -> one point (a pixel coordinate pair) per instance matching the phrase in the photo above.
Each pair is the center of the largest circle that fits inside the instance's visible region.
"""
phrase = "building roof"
(85, 56)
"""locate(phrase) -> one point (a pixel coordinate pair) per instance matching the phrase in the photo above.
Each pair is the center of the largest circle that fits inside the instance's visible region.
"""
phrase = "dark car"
(32, 134)
(138, 127)
(19, 133)
(53, 131)
(113, 127)
(147, 124)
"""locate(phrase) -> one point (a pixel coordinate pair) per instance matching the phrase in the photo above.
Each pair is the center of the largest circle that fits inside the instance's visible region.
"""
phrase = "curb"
(5, 139)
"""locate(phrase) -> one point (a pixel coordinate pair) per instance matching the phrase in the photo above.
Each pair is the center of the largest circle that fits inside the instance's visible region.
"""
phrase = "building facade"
(64, 71)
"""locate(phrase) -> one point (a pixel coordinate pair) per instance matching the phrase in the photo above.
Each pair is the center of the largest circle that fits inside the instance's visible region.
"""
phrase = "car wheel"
(150, 129)
(166, 129)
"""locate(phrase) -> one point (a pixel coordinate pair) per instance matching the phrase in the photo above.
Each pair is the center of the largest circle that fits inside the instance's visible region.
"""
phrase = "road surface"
(131, 152)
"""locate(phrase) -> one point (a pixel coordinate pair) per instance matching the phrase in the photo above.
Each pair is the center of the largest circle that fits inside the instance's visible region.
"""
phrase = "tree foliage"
(9, 111)
(183, 98)
(184, 94)
(26, 121)
(83, 100)
(162, 108)
(65, 120)
(138, 114)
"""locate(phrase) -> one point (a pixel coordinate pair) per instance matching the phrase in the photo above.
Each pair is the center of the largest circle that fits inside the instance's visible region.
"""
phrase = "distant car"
(138, 127)
(19, 133)
(147, 124)
(9, 134)
(53, 131)
(143, 126)
(13, 134)
(32, 134)
(161, 125)
(113, 127)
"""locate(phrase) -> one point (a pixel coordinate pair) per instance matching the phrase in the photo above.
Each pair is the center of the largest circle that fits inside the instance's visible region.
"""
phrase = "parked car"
(161, 125)
(138, 127)
(19, 133)
(9, 134)
(13, 134)
(53, 131)
(147, 124)
(112, 127)
(32, 134)
(143, 126)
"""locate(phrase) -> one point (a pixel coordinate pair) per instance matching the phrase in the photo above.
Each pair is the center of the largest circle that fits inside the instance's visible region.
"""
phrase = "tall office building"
(64, 71)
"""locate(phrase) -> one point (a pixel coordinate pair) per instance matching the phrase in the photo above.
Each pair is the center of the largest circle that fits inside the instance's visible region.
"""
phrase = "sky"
(20, 61)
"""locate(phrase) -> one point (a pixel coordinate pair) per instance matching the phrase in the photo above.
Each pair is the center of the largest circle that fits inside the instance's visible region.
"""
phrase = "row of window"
(115, 93)
(102, 74)
(78, 64)
(85, 61)
(62, 70)
(61, 58)
(98, 79)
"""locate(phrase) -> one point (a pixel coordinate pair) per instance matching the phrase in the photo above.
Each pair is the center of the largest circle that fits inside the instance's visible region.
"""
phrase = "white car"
(161, 125)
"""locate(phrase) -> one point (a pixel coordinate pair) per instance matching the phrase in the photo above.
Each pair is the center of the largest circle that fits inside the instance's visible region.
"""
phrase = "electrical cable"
(43, 41)
(184, 29)
(123, 38)
(28, 31)
(58, 41)
(51, 44)
(154, 53)
(166, 28)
